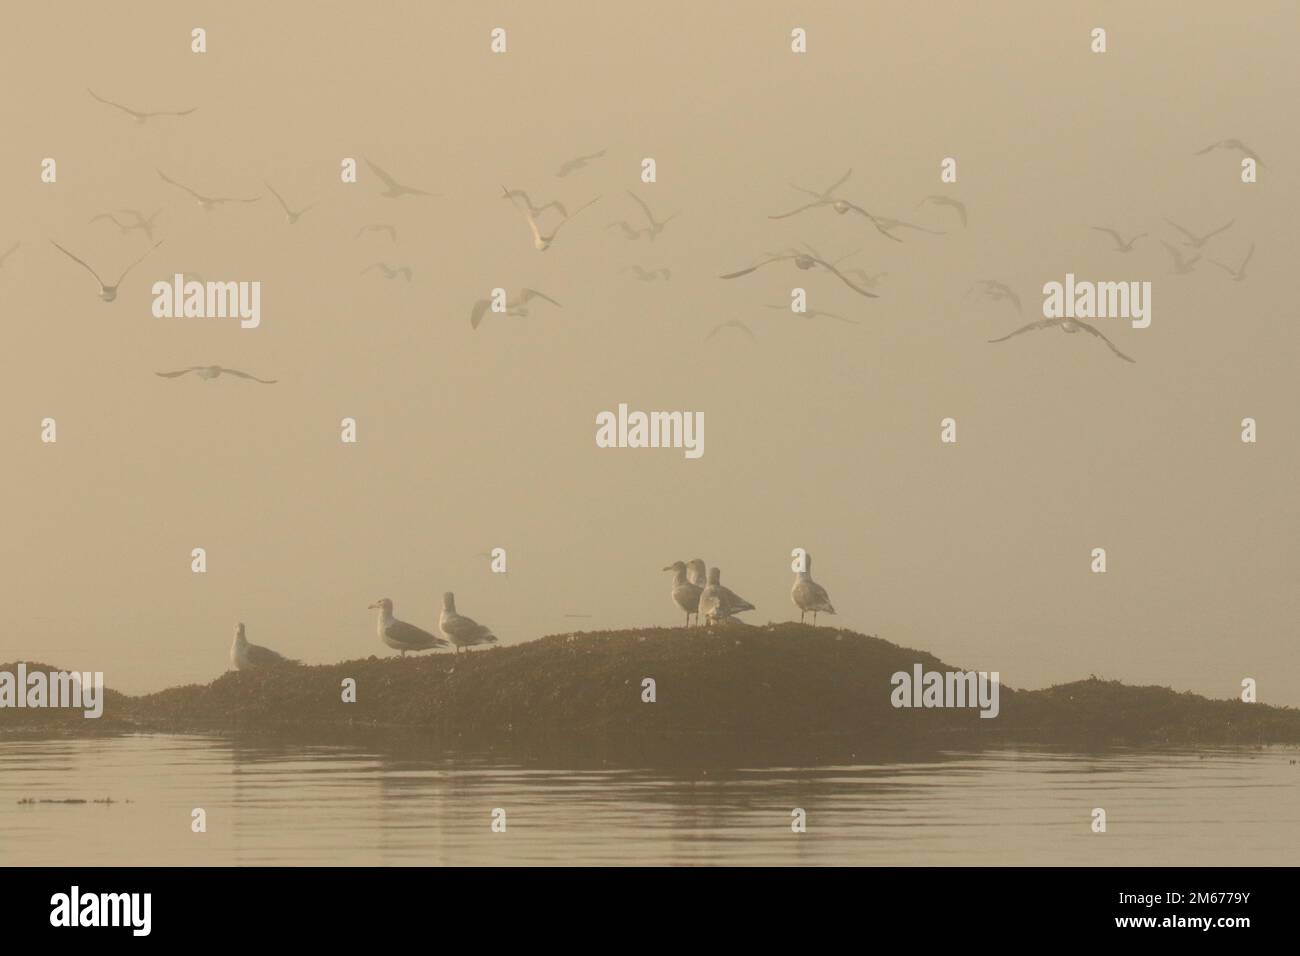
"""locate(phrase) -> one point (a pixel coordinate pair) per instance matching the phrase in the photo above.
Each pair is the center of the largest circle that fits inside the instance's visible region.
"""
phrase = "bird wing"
(745, 272)
(1173, 251)
(81, 262)
(238, 374)
(10, 251)
(138, 261)
(1182, 230)
(1220, 229)
(527, 294)
(412, 636)
(628, 230)
(644, 208)
(845, 279)
(1202, 152)
(476, 314)
(110, 217)
(795, 212)
(1040, 324)
(1110, 232)
(374, 265)
(280, 199)
(388, 180)
(1247, 259)
(124, 109)
(880, 226)
(264, 656)
(1097, 332)
(184, 371)
(839, 182)
(1227, 269)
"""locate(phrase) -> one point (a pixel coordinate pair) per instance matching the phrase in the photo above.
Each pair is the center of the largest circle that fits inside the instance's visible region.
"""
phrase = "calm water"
(334, 806)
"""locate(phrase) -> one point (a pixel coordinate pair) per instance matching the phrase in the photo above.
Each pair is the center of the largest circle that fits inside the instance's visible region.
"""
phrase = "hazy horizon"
(820, 434)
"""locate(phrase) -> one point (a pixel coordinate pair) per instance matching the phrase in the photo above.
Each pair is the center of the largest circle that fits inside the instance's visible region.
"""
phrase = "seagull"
(685, 594)
(650, 276)
(1239, 273)
(941, 200)
(577, 163)
(865, 278)
(884, 224)
(732, 324)
(1067, 325)
(400, 635)
(842, 206)
(535, 209)
(808, 595)
(246, 657)
(395, 189)
(651, 230)
(996, 291)
(697, 572)
(460, 630)
(290, 215)
(803, 261)
(1195, 241)
(378, 227)
(542, 242)
(9, 252)
(390, 272)
(209, 372)
(138, 115)
(141, 223)
(207, 203)
(1120, 244)
(106, 292)
(813, 313)
(517, 307)
(1231, 144)
(824, 198)
(718, 603)
(1181, 266)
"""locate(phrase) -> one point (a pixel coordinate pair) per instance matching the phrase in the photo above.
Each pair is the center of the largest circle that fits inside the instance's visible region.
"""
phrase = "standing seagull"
(400, 635)
(1067, 325)
(246, 657)
(1239, 273)
(516, 307)
(941, 200)
(718, 603)
(685, 594)
(1195, 241)
(209, 372)
(106, 292)
(697, 572)
(1121, 245)
(460, 630)
(542, 242)
(140, 116)
(290, 215)
(206, 203)
(394, 189)
(577, 163)
(653, 229)
(808, 595)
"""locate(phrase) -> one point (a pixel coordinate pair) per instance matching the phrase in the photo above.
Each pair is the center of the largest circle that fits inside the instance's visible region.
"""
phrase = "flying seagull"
(824, 198)
(653, 229)
(996, 291)
(718, 603)
(10, 251)
(378, 227)
(246, 657)
(140, 116)
(577, 163)
(516, 307)
(1239, 273)
(1195, 241)
(808, 595)
(394, 189)
(1067, 325)
(390, 272)
(733, 324)
(941, 200)
(803, 261)
(651, 275)
(400, 635)
(140, 222)
(543, 242)
(106, 292)
(460, 630)
(290, 215)
(812, 314)
(685, 594)
(533, 208)
(1121, 244)
(1181, 266)
(885, 224)
(209, 372)
(207, 203)
(1231, 144)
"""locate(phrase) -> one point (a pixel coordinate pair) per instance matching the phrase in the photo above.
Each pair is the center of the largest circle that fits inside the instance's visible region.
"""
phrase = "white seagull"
(543, 242)
(685, 594)
(697, 572)
(460, 630)
(400, 635)
(808, 595)
(209, 372)
(805, 261)
(246, 657)
(206, 203)
(824, 198)
(717, 603)
(106, 292)
(1069, 326)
